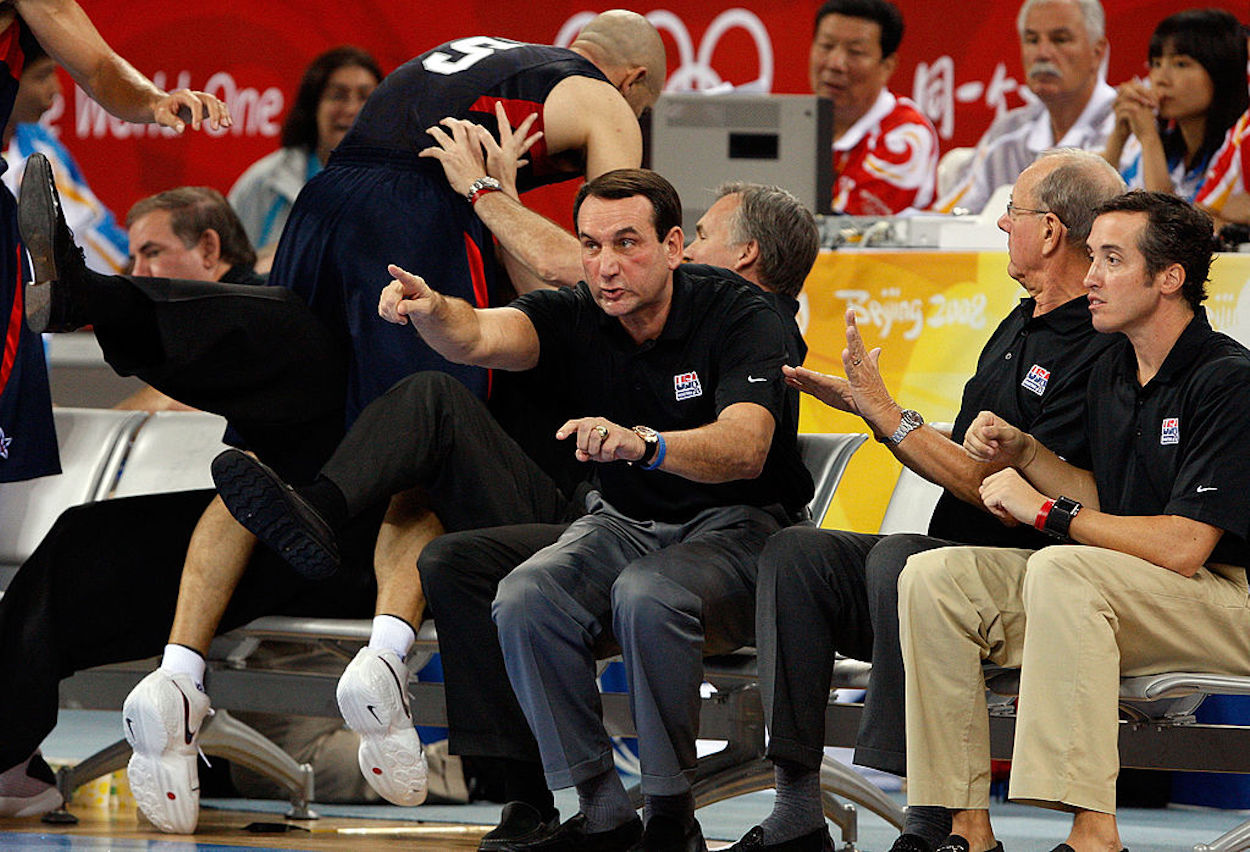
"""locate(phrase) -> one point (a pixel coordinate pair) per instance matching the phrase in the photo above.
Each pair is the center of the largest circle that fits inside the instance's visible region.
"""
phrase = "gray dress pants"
(666, 594)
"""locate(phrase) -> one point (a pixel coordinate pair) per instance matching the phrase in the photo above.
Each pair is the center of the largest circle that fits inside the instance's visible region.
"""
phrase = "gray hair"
(1075, 187)
(782, 227)
(1091, 12)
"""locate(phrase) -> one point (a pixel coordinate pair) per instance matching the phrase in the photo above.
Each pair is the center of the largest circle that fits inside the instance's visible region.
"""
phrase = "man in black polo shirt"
(1154, 579)
(664, 562)
(823, 591)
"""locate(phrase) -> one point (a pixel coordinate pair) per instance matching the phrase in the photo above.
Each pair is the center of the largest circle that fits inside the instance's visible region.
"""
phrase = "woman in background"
(1169, 129)
(334, 88)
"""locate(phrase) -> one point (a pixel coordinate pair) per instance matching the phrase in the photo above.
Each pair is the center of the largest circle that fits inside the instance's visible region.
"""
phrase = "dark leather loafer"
(58, 265)
(955, 843)
(572, 836)
(910, 843)
(272, 511)
(519, 823)
(814, 841)
(664, 834)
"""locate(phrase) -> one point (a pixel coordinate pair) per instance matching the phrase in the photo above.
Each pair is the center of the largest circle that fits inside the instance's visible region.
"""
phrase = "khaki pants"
(1074, 619)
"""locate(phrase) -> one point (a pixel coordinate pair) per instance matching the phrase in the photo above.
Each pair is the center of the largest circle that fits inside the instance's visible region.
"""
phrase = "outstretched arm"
(65, 31)
(502, 338)
(927, 451)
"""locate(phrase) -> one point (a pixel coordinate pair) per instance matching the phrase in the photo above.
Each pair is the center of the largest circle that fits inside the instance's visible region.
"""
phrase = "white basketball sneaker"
(373, 698)
(161, 719)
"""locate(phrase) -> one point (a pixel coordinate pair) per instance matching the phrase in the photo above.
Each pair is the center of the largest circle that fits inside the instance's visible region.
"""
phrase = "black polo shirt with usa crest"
(1032, 373)
(721, 345)
(1178, 445)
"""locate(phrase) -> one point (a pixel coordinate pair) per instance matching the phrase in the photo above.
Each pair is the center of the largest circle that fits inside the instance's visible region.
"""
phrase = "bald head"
(1073, 184)
(629, 51)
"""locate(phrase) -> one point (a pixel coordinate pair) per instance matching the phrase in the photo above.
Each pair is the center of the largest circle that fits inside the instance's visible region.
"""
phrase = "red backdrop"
(960, 60)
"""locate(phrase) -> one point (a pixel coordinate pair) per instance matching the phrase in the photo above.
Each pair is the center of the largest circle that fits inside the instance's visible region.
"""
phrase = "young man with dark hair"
(1151, 575)
(826, 591)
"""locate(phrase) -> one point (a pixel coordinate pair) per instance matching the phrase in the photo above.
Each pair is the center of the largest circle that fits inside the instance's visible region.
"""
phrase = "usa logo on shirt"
(1036, 379)
(1171, 431)
(687, 385)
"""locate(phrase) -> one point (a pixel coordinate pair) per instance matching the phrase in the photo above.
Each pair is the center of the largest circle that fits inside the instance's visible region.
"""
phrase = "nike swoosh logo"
(373, 713)
(130, 726)
(1204, 488)
(399, 684)
(187, 733)
(752, 379)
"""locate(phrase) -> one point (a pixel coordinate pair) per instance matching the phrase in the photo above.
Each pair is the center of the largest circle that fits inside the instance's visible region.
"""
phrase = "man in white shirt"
(1062, 45)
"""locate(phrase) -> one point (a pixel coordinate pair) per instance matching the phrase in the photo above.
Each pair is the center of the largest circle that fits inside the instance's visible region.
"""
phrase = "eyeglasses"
(1012, 209)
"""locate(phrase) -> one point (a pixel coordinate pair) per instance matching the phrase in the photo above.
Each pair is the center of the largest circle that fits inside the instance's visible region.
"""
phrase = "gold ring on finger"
(603, 432)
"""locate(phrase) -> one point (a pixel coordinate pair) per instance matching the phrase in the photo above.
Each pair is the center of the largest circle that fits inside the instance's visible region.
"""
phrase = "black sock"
(678, 808)
(523, 781)
(324, 496)
(929, 822)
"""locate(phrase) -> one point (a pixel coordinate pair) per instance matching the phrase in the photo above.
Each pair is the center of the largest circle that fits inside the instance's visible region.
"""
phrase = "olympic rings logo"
(694, 68)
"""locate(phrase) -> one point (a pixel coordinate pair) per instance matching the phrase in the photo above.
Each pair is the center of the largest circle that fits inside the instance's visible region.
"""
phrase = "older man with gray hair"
(821, 592)
(762, 233)
(1062, 46)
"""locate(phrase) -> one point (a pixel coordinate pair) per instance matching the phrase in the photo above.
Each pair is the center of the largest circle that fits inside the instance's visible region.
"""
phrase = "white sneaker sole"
(390, 756)
(164, 780)
(162, 790)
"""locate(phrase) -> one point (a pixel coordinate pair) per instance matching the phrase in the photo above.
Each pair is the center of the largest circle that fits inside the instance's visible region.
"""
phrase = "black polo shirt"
(720, 345)
(1178, 445)
(790, 466)
(1033, 374)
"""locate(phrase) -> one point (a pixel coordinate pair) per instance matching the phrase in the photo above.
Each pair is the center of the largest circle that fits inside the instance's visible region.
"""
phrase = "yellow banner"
(931, 313)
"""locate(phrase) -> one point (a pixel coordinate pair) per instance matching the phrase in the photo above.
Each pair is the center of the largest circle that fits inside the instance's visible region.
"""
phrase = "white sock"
(390, 632)
(179, 659)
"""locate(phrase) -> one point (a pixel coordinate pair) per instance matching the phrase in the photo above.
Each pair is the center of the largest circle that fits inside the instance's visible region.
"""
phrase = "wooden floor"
(99, 828)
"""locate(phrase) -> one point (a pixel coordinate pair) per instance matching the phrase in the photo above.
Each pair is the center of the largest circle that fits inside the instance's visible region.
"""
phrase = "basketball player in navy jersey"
(376, 201)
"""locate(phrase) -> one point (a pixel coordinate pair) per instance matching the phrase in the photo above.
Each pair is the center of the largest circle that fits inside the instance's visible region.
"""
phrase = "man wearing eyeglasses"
(836, 590)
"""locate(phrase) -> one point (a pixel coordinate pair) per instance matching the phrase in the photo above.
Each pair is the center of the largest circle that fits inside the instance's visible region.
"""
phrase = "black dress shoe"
(572, 836)
(814, 841)
(520, 822)
(910, 843)
(665, 834)
(272, 511)
(955, 843)
(58, 265)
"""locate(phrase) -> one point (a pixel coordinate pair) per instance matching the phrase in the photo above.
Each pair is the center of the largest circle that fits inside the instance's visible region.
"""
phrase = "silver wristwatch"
(482, 184)
(911, 421)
